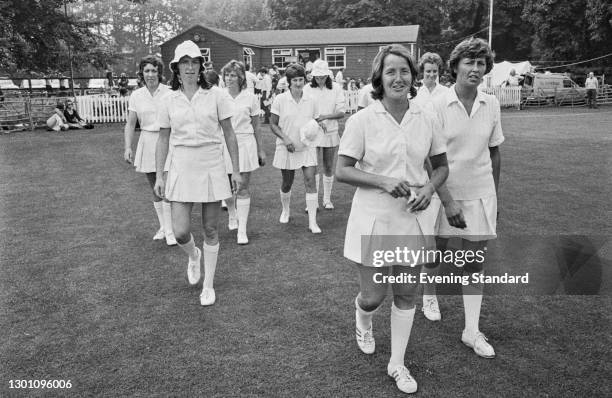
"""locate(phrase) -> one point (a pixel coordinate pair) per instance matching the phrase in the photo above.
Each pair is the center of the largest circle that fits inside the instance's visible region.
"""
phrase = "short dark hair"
(60, 106)
(471, 48)
(294, 70)
(430, 58)
(212, 77)
(328, 82)
(153, 60)
(238, 68)
(378, 64)
(175, 83)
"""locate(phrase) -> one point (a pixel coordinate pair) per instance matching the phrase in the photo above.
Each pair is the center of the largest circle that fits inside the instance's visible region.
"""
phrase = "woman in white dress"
(250, 146)
(389, 141)
(471, 122)
(143, 107)
(330, 100)
(291, 111)
(193, 118)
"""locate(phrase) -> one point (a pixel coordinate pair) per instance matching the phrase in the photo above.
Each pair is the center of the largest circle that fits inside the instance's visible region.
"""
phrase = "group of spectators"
(66, 117)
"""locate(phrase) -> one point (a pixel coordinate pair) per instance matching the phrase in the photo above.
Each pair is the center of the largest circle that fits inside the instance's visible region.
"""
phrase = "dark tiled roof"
(375, 35)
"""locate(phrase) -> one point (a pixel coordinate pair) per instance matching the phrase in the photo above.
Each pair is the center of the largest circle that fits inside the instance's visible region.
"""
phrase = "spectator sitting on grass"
(75, 121)
(57, 121)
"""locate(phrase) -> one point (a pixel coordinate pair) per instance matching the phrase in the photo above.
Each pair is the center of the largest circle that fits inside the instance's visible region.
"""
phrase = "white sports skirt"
(197, 174)
(285, 160)
(144, 158)
(247, 154)
(330, 140)
(480, 217)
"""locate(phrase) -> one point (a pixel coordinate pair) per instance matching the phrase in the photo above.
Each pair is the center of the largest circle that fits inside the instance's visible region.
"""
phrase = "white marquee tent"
(501, 71)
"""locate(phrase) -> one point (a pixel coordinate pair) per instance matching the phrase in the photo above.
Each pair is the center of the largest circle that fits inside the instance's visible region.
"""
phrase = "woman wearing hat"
(143, 108)
(330, 100)
(192, 119)
(390, 141)
(250, 147)
(292, 110)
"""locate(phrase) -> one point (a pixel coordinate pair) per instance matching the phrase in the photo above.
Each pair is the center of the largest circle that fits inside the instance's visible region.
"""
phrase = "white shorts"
(285, 160)
(197, 174)
(247, 154)
(480, 217)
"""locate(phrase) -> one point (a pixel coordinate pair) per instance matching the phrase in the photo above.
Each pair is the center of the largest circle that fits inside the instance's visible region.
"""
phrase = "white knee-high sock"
(401, 325)
(159, 210)
(328, 183)
(189, 248)
(472, 301)
(311, 205)
(210, 264)
(286, 200)
(363, 318)
(231, 207)
(167, 218)
(243, 205)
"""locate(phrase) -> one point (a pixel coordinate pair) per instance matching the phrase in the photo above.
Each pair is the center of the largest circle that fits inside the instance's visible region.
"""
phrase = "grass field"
(87, 296)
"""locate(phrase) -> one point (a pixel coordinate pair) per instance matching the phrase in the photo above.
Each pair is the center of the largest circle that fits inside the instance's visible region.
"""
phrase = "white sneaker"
(207, 297)
(159, 235)
(232, 224)
(403, 379)
(193, 268)
(365, 340)
(314, 229)
(170, 239)
(431, 310)
(284, 218)
(242, 238)
(478, 343)
(328, 205)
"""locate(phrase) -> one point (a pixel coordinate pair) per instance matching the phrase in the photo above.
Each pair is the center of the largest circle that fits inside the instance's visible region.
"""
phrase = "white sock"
(160, 213)
(210, 264)
(472, 301)
(231, 207)
(286, 201)
(189, 248)
(401, 325)
(328, 183)
(363, 319)
(243, 205)
(311, 205)
(167, 218)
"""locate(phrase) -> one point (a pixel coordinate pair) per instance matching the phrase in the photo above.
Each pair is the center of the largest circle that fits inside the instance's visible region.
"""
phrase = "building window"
(205, 54)
(282, 57)
(336, 57)
(247, 56)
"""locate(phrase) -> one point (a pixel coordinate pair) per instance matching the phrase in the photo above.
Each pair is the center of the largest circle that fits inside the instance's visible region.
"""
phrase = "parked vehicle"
(551, 87)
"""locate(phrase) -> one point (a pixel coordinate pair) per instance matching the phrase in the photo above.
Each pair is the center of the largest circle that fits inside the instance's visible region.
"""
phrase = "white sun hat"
(320, 68)
(186, 48)
(311, 134)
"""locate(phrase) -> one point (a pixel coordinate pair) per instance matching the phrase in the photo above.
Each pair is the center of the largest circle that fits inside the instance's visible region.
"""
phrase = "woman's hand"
(289, 144)
(236, 182)
(261, 156)
(396, 188)
(422, 197)
(454, 215)
(128, 156)
(160, 186)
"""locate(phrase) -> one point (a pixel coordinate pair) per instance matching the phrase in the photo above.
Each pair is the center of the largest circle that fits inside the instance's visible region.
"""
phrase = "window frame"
(205, 52)
(328, 52)
(282, 52)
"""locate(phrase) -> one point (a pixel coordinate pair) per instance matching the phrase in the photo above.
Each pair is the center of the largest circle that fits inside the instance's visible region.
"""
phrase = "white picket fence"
(507, 96)
(103, 108)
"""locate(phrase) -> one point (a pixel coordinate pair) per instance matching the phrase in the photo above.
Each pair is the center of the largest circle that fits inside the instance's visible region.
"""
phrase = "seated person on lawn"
(74, 120)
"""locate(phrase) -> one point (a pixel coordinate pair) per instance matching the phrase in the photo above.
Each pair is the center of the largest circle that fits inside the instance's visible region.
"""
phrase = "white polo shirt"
(293, 115)
(384, 147)
(591, 83)
(328, 101)
(251, 80)
(146, 106)
(426, 97)
(266, 84)
(364, 97)
(469, 138)
(246, 105)
(195, 122)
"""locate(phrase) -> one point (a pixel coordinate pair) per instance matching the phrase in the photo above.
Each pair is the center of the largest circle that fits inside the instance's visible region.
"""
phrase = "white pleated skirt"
(247, 154)
(480, 217)
(197, 174)
(330, 140)
(144, 158)
(285, 160)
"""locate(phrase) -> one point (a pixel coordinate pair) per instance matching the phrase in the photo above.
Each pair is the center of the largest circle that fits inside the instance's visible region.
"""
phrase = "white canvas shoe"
(284, 218)
(159, 235)
(232, 224)
(193, 269)
(170, 239)
(403, 379)
(328, 205)
(314, 229)
(365, 340)
(241, 238)
(208, 297)
(479, 344)
(431, 310)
